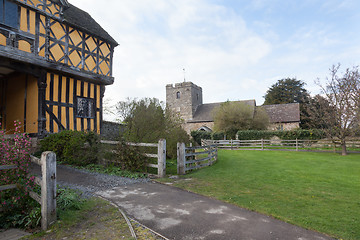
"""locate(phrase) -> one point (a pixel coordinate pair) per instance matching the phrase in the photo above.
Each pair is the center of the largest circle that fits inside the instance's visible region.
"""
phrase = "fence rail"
(47, 182)
(160, 156)
(290, 145)
(190, 158)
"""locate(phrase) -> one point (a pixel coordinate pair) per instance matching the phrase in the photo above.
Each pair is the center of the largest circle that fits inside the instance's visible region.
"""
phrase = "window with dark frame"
(85, 107)
(9, 13)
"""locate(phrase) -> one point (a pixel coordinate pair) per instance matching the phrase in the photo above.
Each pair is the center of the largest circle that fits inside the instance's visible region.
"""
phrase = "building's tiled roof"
(282, 113)
(278, 113)
(204, 112)
(83, 20)
(64, 3)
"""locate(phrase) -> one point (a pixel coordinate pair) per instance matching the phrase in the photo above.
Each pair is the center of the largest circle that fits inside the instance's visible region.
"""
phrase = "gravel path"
(87, 182)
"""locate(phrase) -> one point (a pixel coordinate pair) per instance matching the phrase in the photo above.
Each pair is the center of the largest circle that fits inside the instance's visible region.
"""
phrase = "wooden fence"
(190, 158)
(290, 145)
(47, 182)
(160, 156)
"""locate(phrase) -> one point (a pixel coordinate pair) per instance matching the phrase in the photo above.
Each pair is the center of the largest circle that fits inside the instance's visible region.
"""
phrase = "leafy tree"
(288, 90)
(231, 117)
(147, 120)
(341, 93)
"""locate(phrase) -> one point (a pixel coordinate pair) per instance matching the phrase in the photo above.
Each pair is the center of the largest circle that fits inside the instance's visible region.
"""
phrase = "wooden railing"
(47, 182)
(160, 156)
(9, 186)
(190, 158)
(290, 145)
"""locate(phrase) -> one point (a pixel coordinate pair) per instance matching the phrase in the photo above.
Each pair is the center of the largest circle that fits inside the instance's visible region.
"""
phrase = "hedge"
(285, 135)
(198, 135)
(73, 147)
(262, 134)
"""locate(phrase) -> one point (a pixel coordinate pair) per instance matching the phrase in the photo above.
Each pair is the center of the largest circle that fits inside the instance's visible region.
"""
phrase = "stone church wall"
(184, 98)
(195, 126)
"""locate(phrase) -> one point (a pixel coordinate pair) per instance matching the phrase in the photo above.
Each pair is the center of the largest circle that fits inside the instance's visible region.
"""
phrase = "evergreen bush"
(301, 134)
(198, 135)
(130, 158)
(73, 147)
(285, 135)
(217, 135)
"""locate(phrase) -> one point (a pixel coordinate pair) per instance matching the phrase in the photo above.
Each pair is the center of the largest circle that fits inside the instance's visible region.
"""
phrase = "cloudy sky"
(233, 49)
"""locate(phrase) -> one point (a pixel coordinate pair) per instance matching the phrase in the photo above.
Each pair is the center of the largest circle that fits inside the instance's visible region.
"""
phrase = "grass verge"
(318, 191)
(96, 219)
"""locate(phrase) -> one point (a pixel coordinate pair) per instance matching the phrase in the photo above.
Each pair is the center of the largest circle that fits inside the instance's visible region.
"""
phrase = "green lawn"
(319, 191)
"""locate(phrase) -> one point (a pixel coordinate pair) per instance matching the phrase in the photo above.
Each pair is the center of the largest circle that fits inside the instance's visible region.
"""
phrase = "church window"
(280, 127)
(9, 14)
(178, 95)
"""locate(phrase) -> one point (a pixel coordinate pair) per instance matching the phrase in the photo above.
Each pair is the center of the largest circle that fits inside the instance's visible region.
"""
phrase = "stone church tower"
(184, 98)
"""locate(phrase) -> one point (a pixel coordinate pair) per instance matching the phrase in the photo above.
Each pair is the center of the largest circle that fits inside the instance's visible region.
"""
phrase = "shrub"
(285, 135)
(148, 121)
(73, 147)
(217, 135)
(198, 135)
(173, 136)
(130, 158)
(16, 204)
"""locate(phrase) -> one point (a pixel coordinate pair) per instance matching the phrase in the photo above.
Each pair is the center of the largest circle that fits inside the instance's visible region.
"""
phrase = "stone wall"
(195, 126)
(111, 130)
(283, 126)
(184, 98)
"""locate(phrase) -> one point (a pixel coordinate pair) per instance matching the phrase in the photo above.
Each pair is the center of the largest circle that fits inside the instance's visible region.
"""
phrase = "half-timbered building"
(55, 62)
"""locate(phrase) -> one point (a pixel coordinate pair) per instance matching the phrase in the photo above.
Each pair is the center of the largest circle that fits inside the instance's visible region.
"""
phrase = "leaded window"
(9, 13)
(85, 107)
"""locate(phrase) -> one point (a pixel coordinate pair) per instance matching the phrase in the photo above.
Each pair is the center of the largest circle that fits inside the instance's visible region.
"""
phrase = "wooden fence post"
(297, 145)
(181, 158)
(262, 144)
(48, 189)
(209, 154)
(162, 158)
(193, 150)
(216, 153)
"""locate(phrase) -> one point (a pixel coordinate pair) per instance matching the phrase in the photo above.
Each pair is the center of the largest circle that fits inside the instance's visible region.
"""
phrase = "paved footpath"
(179, 214)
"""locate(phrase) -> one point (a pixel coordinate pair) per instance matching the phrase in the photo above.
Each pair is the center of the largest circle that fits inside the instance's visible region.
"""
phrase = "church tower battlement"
(184, 98)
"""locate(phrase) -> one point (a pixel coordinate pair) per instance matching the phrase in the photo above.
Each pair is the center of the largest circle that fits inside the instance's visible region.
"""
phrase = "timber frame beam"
(29, 58)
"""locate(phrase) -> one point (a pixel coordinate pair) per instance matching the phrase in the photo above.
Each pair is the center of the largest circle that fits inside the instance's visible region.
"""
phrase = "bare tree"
(342, 95)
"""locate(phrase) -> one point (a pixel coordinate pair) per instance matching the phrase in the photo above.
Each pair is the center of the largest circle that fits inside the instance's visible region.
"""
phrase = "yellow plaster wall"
(51, 6)
(57, 51)
(23, 20)
(56, 98)
(24, 46)
(2, 40)
(32, 105)
(15, 96)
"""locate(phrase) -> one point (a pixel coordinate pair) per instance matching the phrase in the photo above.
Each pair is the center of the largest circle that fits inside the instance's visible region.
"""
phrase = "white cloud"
(228, 55)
